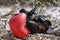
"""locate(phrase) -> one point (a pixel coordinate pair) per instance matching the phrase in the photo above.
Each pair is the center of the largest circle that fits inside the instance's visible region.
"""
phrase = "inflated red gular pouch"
(18, 25)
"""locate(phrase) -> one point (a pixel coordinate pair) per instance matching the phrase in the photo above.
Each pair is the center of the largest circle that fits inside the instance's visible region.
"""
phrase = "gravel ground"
(5, 35)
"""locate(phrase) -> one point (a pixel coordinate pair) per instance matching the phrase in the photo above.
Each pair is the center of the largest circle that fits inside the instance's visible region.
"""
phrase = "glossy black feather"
(37, 24)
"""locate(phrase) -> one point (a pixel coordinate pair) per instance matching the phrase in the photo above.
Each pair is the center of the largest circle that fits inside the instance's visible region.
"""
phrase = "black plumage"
(48, 22)
(36, 24)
